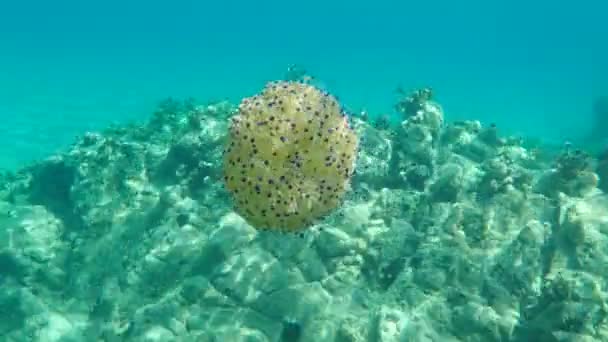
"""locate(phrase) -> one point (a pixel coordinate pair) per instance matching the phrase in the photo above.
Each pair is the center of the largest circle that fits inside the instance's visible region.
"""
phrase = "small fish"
(345, 122)
(307, 78)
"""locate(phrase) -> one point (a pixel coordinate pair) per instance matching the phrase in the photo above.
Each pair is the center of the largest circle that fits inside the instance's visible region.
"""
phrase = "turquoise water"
(71, 66)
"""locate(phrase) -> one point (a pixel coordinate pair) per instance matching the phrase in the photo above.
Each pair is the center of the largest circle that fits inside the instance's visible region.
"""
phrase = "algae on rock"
(451, 233)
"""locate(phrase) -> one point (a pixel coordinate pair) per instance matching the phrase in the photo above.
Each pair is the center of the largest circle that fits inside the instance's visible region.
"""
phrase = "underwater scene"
(272, 171)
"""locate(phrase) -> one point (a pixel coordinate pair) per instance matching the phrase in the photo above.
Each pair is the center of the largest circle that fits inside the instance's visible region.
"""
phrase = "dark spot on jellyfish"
(290, 187)
(269, 195)
(330, 130)
(257, 188)
(266, 162)
(317, 113)
(282, 178)
(270, 104)
(243, 179)
(271, 118)
(283, 139)
(248, 125)
(274, 153)
(306, 130)
(270, 181)
(252, 140)
(255, 151)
